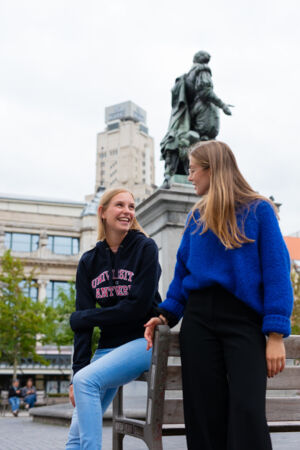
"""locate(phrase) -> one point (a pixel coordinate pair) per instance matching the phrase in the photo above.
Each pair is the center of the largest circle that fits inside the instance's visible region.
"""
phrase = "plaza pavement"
(23, 434)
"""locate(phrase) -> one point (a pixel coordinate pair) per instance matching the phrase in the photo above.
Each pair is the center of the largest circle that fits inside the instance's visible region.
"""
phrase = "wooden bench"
(164, 417)
(41, 400)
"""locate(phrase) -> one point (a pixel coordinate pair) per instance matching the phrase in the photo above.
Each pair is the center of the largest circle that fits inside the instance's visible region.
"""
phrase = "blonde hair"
(228, 192)
(104, 202)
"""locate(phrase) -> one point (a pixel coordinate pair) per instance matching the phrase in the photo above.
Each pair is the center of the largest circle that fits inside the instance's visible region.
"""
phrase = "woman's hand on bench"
(149, 332)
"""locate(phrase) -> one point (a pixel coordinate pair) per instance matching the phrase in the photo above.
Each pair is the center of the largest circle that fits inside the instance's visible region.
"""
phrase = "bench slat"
(280, 427)
(174, 349)
(288, 379)
(283, 408)
(292, 347)
(173, 411)
(174, 381)
(278, 409)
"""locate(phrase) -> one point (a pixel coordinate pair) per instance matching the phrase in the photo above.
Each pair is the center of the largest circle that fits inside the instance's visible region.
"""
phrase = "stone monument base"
(163, 216)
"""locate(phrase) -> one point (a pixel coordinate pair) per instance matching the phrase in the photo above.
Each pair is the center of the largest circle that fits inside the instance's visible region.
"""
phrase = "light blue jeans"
(14, 403)
(96, 385)
(30, 400)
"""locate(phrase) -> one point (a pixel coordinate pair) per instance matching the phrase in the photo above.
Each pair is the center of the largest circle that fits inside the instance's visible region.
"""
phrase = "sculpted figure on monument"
(194, 116)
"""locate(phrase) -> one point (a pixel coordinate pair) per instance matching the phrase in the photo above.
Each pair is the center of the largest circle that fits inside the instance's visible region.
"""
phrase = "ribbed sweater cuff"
(171, 318)
(174, 308)
(276, 324)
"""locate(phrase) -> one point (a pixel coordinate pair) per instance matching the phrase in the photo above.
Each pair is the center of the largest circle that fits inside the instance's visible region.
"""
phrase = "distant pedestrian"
(29, 394)
(14, 395)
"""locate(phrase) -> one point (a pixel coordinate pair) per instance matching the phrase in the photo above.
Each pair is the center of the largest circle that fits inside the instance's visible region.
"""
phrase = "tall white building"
(125, 151)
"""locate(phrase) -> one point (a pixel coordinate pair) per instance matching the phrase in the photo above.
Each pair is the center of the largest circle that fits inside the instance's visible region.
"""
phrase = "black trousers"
(224, 373)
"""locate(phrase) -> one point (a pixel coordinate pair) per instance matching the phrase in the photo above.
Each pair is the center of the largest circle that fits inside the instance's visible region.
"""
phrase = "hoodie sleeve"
(82, 337)
(132, 308)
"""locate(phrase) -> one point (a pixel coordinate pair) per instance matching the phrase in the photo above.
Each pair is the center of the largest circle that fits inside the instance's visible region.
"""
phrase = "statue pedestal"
(163, 216)
(179, 179)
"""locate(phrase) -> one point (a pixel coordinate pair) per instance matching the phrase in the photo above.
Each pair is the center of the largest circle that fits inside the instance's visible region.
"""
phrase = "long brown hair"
(228, 192)
(104, 202)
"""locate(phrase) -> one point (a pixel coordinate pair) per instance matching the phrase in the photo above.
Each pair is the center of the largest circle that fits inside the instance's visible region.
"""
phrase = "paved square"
(23, 434)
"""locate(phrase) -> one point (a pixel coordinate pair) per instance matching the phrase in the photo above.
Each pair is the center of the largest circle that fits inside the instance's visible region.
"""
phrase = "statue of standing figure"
(194, 116)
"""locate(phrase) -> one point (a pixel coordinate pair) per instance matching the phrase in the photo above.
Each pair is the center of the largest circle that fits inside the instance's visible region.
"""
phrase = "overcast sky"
(63, 61)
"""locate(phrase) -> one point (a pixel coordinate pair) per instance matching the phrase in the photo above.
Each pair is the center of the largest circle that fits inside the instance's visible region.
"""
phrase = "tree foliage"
(65, 306)
(23, 321)
(296, 310)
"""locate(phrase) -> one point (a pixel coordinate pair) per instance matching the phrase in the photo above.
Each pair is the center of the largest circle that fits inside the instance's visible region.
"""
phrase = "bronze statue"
(194, 116)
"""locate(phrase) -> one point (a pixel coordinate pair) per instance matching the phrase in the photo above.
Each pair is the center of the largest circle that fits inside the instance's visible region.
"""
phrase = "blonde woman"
(232, 287)
(121, 274)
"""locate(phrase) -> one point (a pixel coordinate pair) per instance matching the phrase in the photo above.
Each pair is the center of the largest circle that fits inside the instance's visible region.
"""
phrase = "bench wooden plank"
(174, 348)
(278, 409)
(280, 427)
(173, 411)
(174, 380)
(288, 379)
(292, 347)
(283, 408)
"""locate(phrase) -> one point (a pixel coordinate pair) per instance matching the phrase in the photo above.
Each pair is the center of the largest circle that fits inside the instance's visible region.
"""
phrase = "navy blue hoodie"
(124, 284)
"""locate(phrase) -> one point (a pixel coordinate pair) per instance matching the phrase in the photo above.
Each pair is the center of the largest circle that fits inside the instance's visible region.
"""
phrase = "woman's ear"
(100, 212)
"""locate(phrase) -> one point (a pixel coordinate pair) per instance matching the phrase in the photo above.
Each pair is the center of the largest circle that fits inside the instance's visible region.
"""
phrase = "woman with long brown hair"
(121, 274)
(232, 286)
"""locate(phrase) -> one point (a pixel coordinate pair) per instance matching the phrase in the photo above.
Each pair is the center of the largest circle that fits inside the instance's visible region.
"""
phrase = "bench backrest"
(164, 376)
(4, 395)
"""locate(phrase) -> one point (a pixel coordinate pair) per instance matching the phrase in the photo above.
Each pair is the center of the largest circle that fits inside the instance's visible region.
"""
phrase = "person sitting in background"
(29, 394)
(14, 394)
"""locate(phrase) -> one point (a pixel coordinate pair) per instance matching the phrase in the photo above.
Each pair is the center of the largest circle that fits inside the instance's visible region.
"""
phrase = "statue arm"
(206, 92)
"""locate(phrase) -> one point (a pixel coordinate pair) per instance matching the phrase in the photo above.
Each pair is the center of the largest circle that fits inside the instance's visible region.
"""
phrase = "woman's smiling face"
(199, 176)
(119, 214)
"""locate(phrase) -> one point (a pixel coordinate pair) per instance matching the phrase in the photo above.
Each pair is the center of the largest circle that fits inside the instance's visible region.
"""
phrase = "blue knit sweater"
(257, 273)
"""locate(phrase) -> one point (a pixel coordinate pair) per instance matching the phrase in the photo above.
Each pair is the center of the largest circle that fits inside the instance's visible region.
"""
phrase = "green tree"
(65, 305)
(296, 310)
(63, 334)
(23, 321)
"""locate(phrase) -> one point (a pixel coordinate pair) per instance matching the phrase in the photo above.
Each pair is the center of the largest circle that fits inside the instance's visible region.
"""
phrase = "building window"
(103, 154)
(144, 129)
(63, 245)
(113, 173)
(21, 242)
(113, 126)
(113, 152)
(30, 291)
(53, 289)
(102, 163)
